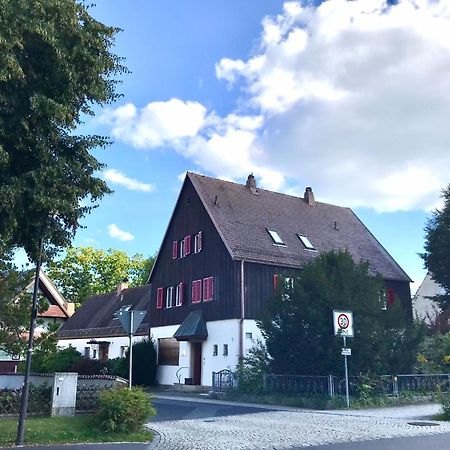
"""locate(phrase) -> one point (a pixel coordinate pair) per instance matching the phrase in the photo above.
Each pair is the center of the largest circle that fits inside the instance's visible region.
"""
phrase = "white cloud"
(115, 232)
(117, 177)
(350, 97)
(157, 123)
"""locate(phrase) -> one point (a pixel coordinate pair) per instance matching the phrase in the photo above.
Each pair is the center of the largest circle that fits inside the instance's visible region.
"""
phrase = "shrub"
(144, 363)
(251, 370)
(445, 411)
(124, 410)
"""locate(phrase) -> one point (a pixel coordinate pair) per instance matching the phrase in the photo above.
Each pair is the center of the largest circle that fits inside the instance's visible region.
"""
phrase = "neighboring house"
(223, 251)
(58, 312)
(95, 331)
(423, 305)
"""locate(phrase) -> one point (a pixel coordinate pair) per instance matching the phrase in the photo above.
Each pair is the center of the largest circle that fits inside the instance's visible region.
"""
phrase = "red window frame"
(208, 289)
(175, 250)
(159, 298)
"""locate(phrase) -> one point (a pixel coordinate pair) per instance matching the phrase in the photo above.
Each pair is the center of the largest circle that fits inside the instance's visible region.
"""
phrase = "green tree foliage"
(57, 360)
(434, 354)
(437, 249)
(56, 64)
(144, 363)
(298, 328)
(85, 271)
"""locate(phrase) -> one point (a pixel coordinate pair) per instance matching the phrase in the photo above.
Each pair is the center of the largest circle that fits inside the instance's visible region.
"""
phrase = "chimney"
(251, 183)
(70, 308)
(309, 196)
(122, 286)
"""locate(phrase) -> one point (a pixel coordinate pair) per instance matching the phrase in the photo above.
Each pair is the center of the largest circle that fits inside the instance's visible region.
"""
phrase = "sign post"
(130, 321)
(343, 326)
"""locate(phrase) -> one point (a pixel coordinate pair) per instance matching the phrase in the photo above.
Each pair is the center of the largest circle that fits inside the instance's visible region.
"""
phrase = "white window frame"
(306, 242)
(182, 244)
(197, 238)
(169, 297)
(275, 237)
(177, 294)
(215, 350)
(225, 350)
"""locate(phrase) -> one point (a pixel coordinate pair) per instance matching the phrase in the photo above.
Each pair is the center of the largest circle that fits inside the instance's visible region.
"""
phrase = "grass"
(64, 430)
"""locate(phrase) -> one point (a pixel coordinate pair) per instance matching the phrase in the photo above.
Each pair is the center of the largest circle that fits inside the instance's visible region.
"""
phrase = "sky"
(349, 97)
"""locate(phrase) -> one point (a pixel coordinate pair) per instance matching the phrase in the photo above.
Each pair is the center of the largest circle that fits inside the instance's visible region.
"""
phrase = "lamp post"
(26, 381)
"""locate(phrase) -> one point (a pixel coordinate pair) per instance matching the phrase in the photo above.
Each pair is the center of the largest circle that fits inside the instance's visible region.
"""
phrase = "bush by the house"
(251, 370)
(144, 363)
(124, 410)
(55, 360)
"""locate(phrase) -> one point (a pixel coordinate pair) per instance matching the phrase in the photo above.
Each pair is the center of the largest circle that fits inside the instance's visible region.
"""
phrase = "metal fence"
(330, 385)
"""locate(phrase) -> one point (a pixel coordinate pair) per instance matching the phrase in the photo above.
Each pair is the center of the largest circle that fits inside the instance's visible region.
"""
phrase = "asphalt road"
(435, 442)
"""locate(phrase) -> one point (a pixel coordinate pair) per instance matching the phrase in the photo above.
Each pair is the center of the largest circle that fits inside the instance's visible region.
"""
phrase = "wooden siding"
(189, 218)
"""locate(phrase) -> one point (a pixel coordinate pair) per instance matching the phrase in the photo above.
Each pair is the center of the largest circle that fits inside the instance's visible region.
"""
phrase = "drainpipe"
(241, 321)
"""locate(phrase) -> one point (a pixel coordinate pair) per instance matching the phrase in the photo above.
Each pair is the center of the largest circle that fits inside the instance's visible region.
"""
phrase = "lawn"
(64, 430)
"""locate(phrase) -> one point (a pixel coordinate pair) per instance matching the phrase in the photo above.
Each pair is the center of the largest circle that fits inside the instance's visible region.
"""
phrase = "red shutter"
(175, 250)
(196, 291)
(199, 241)
(181, 293)
(390, 296)
(205, 288)
(187, 245)
(275, 282)
(211, 288)
(159, 298)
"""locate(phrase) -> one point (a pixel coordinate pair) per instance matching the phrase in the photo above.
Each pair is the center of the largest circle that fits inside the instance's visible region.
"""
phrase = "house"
(95, 330)
(224, 248)
(57, 313)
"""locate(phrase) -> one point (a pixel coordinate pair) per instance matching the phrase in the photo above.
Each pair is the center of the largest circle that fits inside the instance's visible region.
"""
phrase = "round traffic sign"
(343, 321)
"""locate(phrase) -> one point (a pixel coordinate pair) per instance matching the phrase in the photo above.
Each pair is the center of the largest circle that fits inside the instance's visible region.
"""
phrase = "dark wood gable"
(171, 268)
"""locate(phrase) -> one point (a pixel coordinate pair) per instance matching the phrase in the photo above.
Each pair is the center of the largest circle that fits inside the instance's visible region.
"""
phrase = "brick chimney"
(309, 196)
(122, 286)
(251, 183)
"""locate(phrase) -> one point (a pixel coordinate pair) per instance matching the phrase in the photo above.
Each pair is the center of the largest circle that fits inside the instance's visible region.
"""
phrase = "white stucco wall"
(220, 333)
(114, 347)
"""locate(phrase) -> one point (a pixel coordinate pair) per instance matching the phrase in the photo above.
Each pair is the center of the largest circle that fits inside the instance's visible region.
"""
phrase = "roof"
(242, 217)
(193, 328)
(53, 311)
(95, 317)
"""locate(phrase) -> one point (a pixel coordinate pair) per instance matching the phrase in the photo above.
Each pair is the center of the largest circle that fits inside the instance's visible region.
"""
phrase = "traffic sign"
(345, 351)
(343, 323)
(130, 320)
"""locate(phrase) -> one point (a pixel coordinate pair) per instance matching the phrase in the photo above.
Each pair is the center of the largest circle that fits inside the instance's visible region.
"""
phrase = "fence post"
(265, 382)
(395, 385)
(213, 379)
(330, 386)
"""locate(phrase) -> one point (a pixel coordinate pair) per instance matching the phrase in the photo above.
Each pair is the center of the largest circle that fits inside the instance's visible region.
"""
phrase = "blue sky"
(350, 98)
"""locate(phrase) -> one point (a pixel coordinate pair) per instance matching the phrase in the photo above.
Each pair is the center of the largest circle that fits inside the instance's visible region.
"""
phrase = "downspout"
(241, 321)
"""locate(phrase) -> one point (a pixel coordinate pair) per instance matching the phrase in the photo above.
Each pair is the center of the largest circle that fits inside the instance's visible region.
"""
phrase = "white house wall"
(220, 333)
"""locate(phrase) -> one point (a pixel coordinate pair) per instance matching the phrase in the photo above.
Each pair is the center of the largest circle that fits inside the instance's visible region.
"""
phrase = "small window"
(182, 245)
(168, 352)
(382, 298)
(159, 298)
(288, 283)
(94, 355)
(179, 294)
(275, 237)
(306, 242)
(225, 349)
(215, 350)
(175, 250)
(169, 297)
(123, 351)
(198, 242)
(87, 352)
(187, 245)
(248, 335)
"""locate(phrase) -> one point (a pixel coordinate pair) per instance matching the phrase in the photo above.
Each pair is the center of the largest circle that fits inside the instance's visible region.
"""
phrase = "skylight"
(306, 242)
(275, 237)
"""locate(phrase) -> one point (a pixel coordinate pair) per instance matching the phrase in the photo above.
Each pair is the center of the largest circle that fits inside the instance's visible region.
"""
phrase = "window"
(187, 245)
(248, 335)
(382, 298)
(196, 291)
(94, 355)
(87, 352)
(215, 350)
(123, 351)
(288, 283)
(198, 242)
(159, 298)
(175, 250)
(306, 242)
(208, 289)
(169, 297)
(179, 294)
(275, 237)
(168, 352)
(225, 349)
(182, 243)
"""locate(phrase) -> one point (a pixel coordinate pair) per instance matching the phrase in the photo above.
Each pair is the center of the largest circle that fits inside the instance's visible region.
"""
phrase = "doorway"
(197, 363)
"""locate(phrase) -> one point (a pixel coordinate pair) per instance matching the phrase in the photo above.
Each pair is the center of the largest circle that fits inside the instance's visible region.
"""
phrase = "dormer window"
(275, 237)
(306, 242)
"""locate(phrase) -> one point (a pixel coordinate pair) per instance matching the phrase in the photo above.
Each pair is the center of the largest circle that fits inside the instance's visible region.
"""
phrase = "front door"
(197, 363)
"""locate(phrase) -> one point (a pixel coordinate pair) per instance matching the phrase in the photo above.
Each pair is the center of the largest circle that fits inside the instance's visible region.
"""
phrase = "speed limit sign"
(343, 323)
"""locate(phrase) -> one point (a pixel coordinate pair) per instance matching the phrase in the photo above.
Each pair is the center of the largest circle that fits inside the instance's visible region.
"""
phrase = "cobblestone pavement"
(281, 430)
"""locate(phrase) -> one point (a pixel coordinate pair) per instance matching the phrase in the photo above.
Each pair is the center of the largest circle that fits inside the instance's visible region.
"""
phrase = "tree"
(55, 65)
(437, 249)
(298, 328)
(85, 271)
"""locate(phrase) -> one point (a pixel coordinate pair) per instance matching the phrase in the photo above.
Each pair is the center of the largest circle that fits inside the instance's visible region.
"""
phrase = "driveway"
(209, 425)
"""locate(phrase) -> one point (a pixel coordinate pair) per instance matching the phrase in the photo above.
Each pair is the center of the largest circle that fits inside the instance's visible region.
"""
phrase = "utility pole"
(26, 381)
